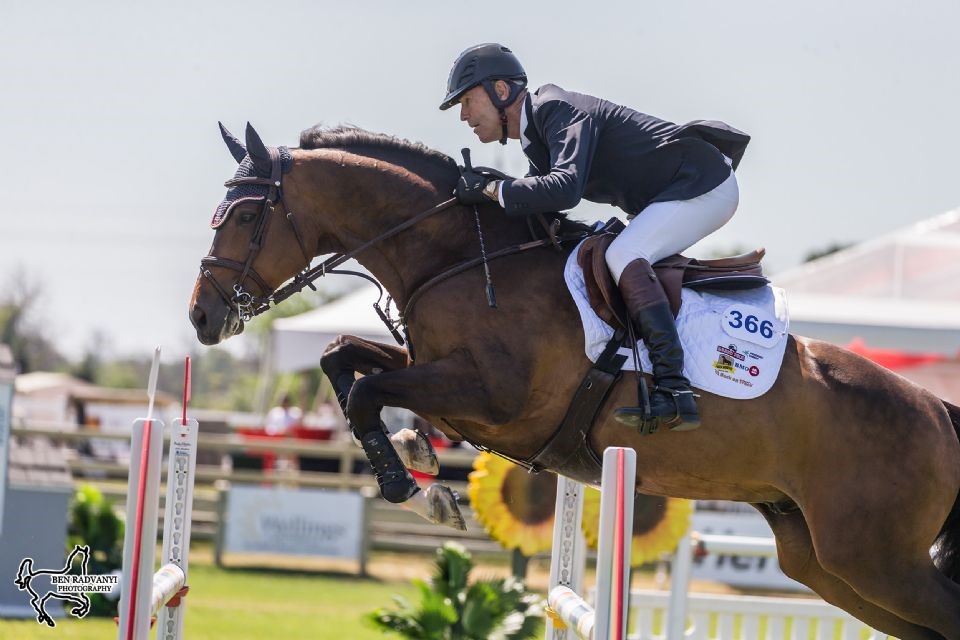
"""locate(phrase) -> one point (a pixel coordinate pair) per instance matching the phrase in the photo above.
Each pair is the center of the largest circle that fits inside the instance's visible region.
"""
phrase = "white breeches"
(666, 228)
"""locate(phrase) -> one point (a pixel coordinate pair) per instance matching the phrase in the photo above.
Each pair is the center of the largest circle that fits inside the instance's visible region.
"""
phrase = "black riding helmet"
(483, 65)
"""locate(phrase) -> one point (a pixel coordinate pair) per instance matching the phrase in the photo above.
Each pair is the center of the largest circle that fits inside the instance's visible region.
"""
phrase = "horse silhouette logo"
(62, 584)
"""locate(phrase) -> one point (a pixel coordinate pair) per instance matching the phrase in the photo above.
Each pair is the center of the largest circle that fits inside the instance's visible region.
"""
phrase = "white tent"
(899, 291)
(299, 341)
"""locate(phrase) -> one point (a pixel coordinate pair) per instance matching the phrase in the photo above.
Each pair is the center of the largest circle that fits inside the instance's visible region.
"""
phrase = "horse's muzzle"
(212, 330)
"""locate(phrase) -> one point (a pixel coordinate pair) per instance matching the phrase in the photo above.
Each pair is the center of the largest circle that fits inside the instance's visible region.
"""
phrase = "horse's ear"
(258, 152)
(237, 150)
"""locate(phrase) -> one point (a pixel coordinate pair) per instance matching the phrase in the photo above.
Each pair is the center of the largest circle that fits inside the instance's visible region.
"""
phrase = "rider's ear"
(258, 153)
(502, 89)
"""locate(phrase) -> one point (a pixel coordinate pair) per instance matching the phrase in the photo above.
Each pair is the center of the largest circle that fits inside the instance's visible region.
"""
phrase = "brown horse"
(856, 469)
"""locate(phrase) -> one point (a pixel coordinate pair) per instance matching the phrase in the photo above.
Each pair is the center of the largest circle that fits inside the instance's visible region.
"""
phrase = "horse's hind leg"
(895, 577)
(877, 539)
(799, 561)
(346, 356)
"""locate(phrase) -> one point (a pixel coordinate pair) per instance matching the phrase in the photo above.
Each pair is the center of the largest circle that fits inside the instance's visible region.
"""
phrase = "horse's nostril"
(198, 317)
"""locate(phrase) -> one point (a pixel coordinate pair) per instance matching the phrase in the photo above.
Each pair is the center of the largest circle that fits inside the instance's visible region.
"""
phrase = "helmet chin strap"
(502, 104)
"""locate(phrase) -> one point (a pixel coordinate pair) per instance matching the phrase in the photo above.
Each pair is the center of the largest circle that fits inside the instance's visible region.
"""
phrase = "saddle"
(674, 272)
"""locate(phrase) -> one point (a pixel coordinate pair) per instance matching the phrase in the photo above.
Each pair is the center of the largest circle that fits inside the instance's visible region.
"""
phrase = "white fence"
(725, 617)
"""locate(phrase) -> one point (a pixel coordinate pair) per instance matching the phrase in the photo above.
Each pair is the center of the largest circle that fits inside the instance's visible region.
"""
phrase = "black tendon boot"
(672, 402)
(396, 483)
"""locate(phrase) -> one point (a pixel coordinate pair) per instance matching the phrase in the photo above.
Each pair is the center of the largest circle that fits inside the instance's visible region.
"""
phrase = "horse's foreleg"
(448, 387)
(348, 355)
(799, 561)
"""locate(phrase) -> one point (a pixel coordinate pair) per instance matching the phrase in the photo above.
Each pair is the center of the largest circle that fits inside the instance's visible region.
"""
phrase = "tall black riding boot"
(396, 483)
(672, 402)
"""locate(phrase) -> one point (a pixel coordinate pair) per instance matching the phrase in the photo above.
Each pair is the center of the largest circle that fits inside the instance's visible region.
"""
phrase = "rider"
(675, 183)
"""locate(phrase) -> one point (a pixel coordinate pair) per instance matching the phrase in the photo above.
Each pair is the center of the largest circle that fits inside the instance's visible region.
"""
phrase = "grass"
(255, 604)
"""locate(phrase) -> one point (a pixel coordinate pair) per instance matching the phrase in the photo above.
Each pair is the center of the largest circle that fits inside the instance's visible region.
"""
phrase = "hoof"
(442, 501)
(438, 504)
(415, 451)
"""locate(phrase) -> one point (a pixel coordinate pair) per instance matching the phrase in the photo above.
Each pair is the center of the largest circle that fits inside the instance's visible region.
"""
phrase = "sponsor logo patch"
(731, 351)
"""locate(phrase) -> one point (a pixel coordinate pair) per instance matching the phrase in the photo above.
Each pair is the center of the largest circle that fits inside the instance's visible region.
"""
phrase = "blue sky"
(112, 164)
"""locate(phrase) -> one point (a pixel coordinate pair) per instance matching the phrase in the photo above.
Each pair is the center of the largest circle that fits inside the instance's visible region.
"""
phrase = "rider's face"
(478, 111)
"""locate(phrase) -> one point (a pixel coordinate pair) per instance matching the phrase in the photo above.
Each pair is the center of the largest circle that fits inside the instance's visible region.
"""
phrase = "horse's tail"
(24, 574)
(947, 555)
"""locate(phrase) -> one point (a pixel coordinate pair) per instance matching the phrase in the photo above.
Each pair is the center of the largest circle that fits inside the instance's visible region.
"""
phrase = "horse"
(856, 469)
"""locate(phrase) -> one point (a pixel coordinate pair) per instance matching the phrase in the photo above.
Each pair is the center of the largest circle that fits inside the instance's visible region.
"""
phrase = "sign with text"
(300, 522)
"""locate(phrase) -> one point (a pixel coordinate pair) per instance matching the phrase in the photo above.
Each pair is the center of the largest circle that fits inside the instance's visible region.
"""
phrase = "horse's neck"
(380, 198)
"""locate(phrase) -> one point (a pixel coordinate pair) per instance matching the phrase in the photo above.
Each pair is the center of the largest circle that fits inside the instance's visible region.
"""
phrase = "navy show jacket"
(580, 146)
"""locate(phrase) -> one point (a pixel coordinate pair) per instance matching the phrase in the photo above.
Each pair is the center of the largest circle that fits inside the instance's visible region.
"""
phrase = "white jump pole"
(607, 620)
(181, 469)
(144, 593)
(682, 569)
(143, 505)
(568, 558)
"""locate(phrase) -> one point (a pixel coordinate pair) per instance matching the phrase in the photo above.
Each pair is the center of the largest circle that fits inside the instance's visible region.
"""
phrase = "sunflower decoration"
(658, 524)
(514, 506)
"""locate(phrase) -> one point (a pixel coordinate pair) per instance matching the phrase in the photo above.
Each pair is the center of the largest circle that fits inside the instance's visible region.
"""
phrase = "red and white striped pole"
(143, 504)
(606, 620)
(144, 593)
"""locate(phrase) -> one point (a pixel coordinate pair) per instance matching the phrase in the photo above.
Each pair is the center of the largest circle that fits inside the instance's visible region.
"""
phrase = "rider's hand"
(470, 186)
(492, 174)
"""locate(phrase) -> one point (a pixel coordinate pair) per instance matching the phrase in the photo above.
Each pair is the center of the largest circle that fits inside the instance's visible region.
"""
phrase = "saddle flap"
(601, 289)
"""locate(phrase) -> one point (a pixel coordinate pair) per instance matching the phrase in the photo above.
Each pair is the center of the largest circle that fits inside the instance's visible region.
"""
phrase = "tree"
(451, 608)
(21, 331)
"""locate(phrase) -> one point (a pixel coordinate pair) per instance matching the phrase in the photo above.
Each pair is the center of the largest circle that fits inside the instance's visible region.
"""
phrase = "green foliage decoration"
(453, 608)
(93, 522)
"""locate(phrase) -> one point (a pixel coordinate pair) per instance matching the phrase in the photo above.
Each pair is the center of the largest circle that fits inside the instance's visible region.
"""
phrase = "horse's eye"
(247, 216)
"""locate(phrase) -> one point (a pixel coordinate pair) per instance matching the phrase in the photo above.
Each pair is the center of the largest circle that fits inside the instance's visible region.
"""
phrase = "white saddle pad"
(733, 342)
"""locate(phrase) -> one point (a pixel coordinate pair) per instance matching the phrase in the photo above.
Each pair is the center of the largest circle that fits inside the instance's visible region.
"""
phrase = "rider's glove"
(470, 186)
(474, 185)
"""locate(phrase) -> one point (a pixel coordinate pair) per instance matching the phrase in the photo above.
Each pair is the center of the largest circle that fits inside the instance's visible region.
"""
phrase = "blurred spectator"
(281, 419)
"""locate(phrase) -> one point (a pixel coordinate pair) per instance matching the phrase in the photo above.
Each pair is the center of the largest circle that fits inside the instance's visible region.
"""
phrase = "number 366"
(751, 324)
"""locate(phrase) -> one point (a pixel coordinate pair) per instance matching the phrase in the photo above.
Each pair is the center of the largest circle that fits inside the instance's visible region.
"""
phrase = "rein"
(249, 306)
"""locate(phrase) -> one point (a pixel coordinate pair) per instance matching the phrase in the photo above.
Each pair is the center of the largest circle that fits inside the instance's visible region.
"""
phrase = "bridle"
(249, 305)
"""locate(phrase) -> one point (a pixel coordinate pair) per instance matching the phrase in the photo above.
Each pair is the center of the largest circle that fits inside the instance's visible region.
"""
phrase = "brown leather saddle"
(675, 273)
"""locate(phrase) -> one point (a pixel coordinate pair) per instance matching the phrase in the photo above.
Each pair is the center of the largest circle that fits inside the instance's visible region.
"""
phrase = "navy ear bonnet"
(245, 192)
